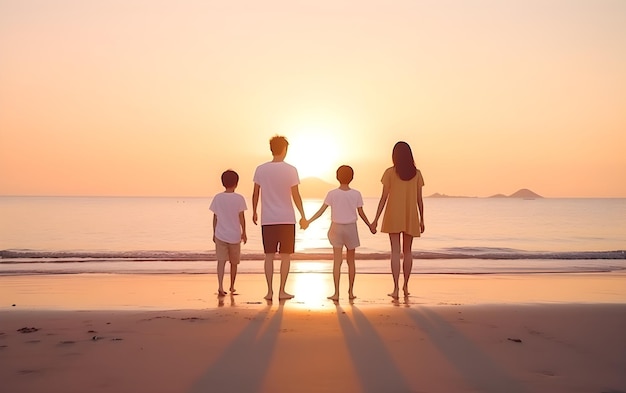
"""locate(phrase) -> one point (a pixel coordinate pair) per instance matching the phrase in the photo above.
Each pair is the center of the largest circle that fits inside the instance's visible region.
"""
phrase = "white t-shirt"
(276, 180)
(227, 206)
(343, 205)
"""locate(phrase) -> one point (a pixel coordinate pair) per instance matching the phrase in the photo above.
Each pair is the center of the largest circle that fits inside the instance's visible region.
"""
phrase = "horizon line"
(431, 196)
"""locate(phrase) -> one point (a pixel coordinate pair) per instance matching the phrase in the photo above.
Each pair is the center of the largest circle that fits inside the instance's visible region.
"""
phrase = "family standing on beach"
(276, 185)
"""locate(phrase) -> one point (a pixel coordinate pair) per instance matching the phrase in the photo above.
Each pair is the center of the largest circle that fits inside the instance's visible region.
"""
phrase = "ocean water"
(173, 235)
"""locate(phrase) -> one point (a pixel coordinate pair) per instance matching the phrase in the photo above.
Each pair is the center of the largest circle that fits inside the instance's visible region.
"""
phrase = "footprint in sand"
(192, 319)
(27, 372)
(28, 329)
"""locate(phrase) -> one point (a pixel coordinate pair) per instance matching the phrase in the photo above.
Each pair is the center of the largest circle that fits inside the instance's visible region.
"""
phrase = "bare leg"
(394, 239)
(233, 276)
(407, 262)
(350, 257)
(269, 275)
(285, 264)
(220, 278)
(337, 259)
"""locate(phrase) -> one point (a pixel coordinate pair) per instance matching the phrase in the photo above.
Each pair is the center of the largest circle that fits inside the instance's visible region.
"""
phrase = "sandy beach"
(455, 333)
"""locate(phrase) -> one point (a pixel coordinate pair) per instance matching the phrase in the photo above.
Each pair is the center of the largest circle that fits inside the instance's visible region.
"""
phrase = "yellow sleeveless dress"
(401, 213)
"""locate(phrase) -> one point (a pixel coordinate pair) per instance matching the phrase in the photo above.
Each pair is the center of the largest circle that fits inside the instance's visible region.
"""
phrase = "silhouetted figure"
(229, 228)
(404, 215)
(345, 203)
(276, 183)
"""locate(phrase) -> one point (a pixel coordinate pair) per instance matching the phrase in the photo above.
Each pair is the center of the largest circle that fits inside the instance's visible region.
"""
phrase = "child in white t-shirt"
(229, 228)
(345, 203)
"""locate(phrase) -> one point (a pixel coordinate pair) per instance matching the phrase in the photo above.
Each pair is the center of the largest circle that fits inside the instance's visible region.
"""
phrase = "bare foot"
(221, 292)
(393, 294)
(406, 292)
(285, 295)
(352, 296)
(232, 290)
(333, 297)
(269, 296)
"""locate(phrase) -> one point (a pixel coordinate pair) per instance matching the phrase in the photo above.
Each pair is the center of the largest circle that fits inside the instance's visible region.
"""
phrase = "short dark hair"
(278, 144)
(230, 178)
(345, 174)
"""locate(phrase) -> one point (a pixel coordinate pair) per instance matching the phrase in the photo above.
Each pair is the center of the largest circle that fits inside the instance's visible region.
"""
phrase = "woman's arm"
(420, 207)
(381, 205)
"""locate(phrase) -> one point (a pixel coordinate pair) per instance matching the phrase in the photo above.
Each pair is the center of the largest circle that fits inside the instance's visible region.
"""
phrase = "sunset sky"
(144, 97)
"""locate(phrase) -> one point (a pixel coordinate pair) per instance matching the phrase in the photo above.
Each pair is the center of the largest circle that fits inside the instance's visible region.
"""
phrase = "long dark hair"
(403, 161)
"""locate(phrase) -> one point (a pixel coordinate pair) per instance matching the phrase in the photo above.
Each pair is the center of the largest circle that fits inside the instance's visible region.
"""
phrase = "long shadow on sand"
(235, 373)
(371, 359)
(477, 368)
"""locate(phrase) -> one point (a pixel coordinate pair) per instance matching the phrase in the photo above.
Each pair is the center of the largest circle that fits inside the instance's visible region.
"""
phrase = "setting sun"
(180, 91)
(315, 153)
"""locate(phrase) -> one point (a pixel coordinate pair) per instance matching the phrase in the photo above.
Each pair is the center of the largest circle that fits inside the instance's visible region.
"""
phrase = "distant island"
(438, 195)
(523, 193)
(314, 187)
(317, 188)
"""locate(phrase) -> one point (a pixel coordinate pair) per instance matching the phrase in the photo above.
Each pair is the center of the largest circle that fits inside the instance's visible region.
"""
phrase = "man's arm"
(255, 202)
(297, 199)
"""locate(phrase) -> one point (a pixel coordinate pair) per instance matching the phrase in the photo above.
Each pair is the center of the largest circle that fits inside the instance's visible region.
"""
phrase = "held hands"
(373, 226)
(304, 224)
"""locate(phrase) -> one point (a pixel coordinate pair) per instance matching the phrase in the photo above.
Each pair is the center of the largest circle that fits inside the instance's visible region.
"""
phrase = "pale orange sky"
(138, 97)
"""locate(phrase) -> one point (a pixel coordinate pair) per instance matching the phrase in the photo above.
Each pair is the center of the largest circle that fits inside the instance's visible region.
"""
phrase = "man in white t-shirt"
(276, 182)
(229, 228)
(345, 203)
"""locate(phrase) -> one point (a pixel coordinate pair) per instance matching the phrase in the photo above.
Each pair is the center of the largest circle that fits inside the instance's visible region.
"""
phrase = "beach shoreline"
(62, 266)
(455, 333)
(107, 291)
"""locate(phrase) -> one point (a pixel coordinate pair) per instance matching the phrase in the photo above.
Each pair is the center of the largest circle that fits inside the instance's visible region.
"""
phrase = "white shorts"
(227, 251)
(341, 235)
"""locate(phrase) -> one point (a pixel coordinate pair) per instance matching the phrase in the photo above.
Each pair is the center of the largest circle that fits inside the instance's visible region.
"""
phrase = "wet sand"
(171, 333)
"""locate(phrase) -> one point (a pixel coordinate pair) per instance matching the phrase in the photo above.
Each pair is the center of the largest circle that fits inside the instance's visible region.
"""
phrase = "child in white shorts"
(345, 203)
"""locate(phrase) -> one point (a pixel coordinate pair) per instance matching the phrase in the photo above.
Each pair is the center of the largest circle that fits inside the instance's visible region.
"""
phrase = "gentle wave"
(41, 256)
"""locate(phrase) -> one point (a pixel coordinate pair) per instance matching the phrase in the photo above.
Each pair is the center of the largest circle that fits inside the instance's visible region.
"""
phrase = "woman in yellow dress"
(404, 215)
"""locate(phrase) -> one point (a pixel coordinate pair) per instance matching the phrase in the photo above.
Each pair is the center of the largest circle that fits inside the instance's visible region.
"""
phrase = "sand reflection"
(311, 290)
